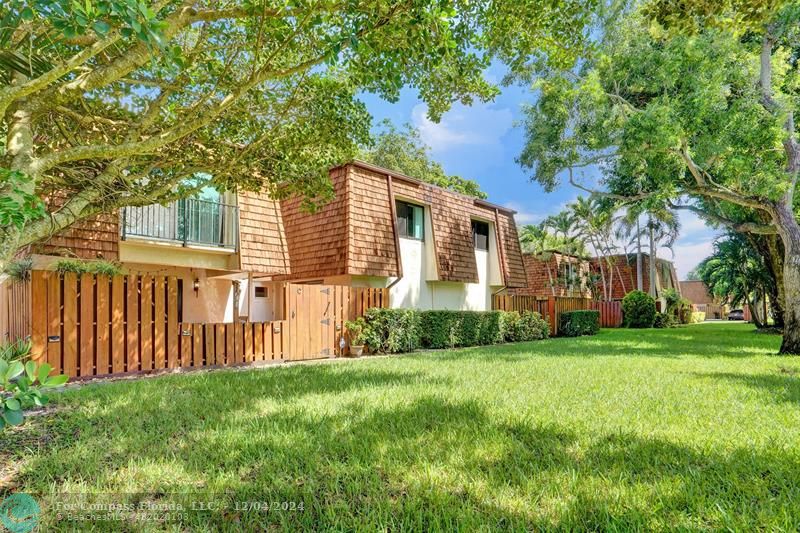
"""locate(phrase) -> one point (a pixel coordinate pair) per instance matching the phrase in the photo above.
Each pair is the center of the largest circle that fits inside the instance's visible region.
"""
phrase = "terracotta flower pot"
(356, 351)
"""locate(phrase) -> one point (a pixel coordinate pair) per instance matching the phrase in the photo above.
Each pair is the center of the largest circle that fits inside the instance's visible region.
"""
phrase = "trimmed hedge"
(638, 310)
(448, 329)
(404, 330)
(391, 330)
(577, 323)
(698, 316)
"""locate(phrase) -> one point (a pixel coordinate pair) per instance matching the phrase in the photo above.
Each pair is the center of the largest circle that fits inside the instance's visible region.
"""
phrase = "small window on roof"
(480, 234)
(410, 220)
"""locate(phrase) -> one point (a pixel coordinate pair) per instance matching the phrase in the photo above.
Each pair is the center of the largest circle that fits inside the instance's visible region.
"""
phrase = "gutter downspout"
(499, 250)
(393, 211)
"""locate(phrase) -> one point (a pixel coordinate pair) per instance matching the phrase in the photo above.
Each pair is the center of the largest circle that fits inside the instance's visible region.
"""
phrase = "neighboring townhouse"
(555, 273)
(696, 292)
(625, 278)
(230, 252)
(434, 248)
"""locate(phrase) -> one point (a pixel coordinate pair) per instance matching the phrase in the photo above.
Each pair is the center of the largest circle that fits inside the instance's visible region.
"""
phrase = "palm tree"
(661, 228)
(735, 273)
(539, 241)
(595, 221)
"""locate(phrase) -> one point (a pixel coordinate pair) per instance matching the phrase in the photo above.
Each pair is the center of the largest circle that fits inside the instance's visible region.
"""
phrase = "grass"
(691, 428)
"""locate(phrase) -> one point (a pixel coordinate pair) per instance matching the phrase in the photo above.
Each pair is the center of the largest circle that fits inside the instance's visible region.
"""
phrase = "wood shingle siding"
(371, 244)
(93, 238)
(317, 242)
(262, 245)
(354, 234)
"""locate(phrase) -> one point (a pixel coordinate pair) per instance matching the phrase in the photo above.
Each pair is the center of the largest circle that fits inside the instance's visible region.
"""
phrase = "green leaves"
(21, 387)
(403, 150)
(17, 205)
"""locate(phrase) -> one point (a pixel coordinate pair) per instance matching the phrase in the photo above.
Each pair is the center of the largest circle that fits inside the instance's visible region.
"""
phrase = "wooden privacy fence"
(15, 309)
(92, 325)
(507, 302)
(551, 307)
(610, 313)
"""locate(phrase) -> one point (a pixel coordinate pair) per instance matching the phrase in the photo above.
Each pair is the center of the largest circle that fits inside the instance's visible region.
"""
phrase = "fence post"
(551, 313)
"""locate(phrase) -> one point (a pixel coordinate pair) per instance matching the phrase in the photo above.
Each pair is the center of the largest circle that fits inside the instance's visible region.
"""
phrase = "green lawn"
(695, 427)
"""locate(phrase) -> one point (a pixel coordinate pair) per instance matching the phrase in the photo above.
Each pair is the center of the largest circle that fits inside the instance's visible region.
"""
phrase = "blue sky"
(481, 142)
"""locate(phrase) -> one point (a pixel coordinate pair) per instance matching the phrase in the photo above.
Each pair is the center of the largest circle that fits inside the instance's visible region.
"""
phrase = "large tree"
(111, 103)
(403, 150)
(684, 117)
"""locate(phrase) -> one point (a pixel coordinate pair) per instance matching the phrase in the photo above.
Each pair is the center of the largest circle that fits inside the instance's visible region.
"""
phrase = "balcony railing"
(189, 222)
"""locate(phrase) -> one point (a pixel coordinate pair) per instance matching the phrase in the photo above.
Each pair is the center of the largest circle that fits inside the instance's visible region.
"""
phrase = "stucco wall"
(420, 289)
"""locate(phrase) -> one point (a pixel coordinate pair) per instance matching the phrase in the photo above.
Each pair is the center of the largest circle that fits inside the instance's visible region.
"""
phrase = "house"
(696, 292)
(230, 251)
(555, 273)
(624, 279)
(223, 248)
(433, 248)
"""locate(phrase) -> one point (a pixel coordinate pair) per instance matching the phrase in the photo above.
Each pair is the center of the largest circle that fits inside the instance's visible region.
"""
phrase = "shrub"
(448, 329)
(356, 329)
(684, 311)
(664, 320)
(698, 316)
(671, 298)
(19, 270)
(22, 383)
(12, 351)
(510, 323)
(577, 323)
(391, 330)
(77, 266)
(639, 310)
(531, 327)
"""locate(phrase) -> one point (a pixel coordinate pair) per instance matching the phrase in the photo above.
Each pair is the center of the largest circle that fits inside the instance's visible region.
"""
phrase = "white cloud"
(687, 256)
(691, 223)
(524, 217)
(477, 125)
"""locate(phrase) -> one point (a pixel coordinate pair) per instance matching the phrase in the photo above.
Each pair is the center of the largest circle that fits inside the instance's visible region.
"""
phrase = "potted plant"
(356, 330)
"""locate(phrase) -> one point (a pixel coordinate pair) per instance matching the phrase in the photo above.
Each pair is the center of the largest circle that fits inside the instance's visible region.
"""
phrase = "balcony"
(188, 222)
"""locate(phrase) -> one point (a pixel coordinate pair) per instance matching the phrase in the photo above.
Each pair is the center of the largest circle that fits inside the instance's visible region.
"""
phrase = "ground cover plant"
(693, 427)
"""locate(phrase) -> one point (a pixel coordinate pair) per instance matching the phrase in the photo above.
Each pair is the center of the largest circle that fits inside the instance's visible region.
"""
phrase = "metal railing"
(188, 221)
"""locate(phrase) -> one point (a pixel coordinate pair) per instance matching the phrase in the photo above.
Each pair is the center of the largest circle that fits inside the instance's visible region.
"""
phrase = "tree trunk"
(789, 230)
(774, 261)
(652, 265)
(754, 313)
(639, 271)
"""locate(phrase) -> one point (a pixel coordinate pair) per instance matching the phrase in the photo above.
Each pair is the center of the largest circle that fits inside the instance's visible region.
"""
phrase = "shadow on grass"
(723, 340)
(414, 460)
(782, 387)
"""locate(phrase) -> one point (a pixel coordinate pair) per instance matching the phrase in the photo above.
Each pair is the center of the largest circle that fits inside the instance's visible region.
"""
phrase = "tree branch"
(15, 92)
(740, 227)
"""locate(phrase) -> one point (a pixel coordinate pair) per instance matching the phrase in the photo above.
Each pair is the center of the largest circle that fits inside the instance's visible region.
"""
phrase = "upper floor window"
(480, 234)
(410, 220)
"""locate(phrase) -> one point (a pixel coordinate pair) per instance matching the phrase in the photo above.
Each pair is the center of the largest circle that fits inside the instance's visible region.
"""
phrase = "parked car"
(736, 314)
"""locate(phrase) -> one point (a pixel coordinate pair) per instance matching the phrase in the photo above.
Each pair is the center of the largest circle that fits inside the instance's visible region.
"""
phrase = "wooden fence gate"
(316, 315)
